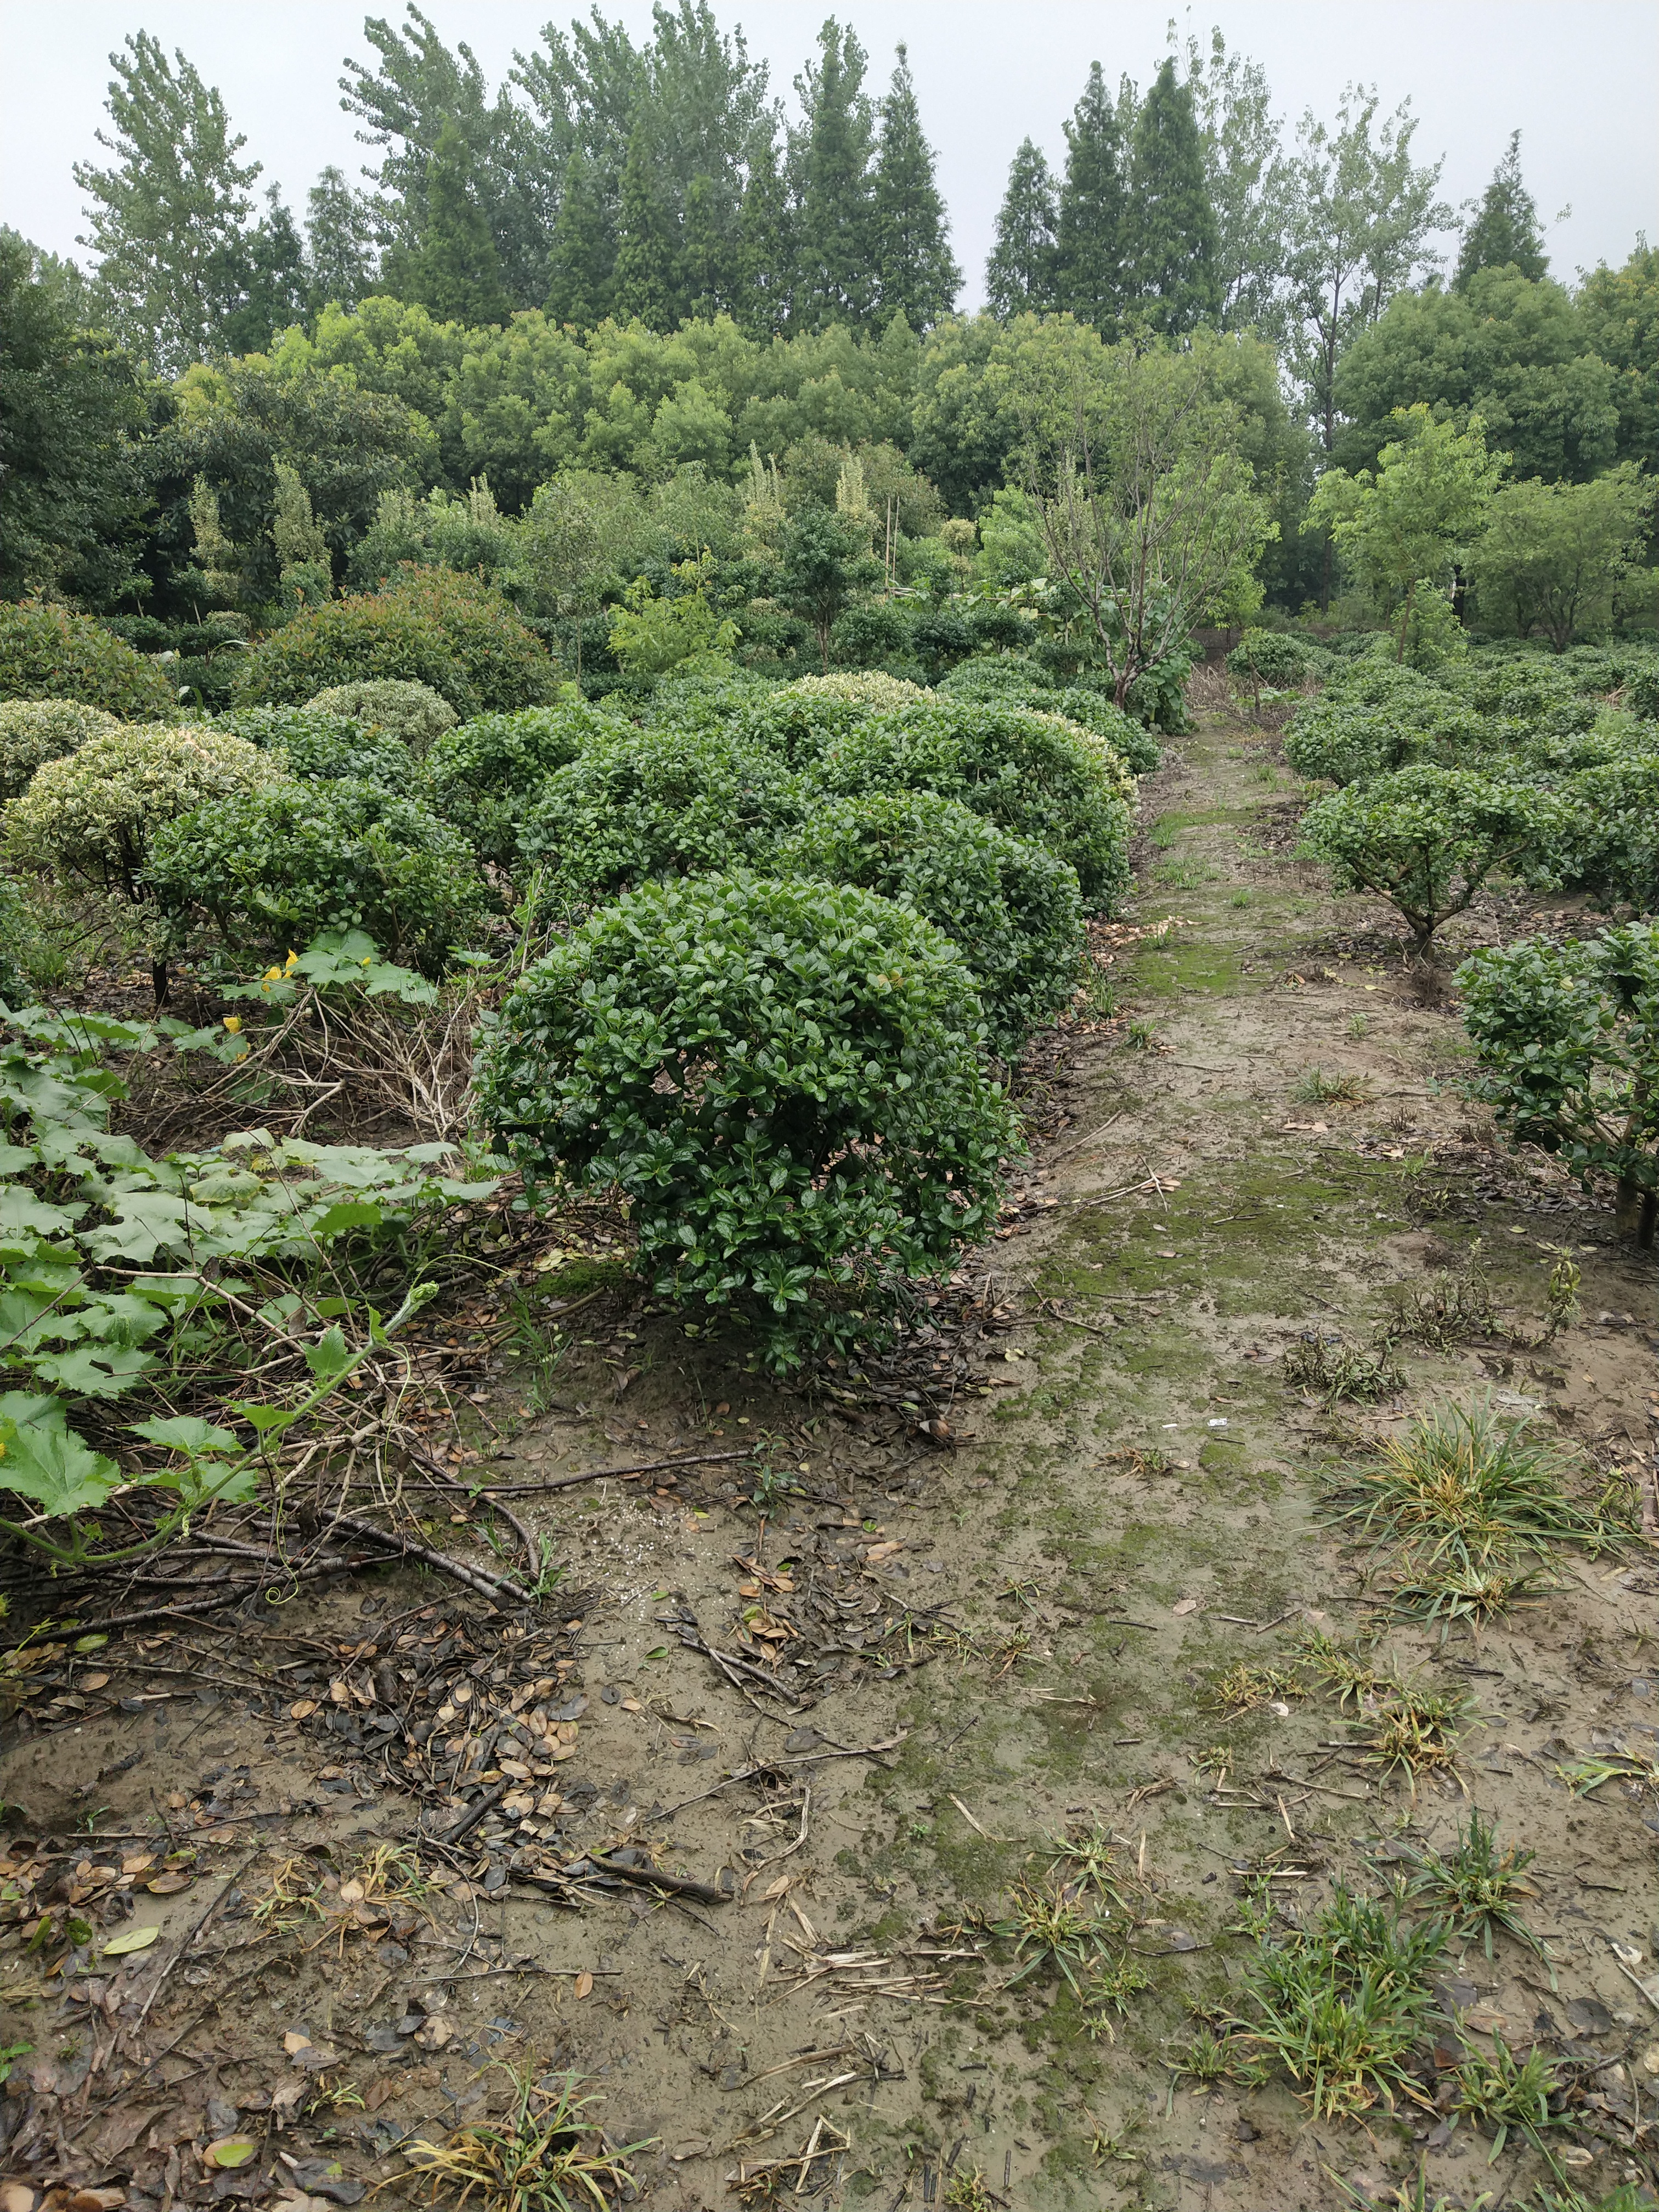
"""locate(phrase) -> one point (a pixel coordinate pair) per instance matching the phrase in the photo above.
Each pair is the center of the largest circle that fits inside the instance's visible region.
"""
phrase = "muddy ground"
(941, 1652)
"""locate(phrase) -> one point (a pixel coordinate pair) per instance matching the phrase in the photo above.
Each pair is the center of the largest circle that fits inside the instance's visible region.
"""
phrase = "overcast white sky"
(1580, 78)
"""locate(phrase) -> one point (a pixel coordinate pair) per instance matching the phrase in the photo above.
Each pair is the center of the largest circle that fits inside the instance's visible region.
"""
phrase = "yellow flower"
(293, 959)
(273, 975)
(233, 1023)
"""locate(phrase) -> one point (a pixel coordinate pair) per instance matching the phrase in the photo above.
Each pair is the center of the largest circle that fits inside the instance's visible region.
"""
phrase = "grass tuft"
(543, 2156)
(1316, 1088)
(1341, 2005)
(1476, 1888)
(1342, 1371)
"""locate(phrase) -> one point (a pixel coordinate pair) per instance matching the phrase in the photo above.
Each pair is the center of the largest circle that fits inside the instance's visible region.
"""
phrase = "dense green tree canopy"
(1504, 231)
(1171, 279)
(1019, 276)
(1092, 233)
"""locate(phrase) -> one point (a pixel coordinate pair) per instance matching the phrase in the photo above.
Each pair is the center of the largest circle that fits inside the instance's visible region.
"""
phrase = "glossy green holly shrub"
(1426, 838)
(1014, 910)
(1030, 773)
(484, 775)
(641, 803)
(323, 746)
(32, 731)
(1567, 1039)
(785, 1079)
(271, 870)
(413, 714)
(46, 653)
(449, 632)
(93, 815)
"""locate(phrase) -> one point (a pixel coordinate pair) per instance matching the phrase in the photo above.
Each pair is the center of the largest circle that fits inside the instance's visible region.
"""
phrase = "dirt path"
(1128, 1511)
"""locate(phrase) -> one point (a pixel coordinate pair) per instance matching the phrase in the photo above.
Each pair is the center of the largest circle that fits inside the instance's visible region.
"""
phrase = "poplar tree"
(833, 156)
(644, 278)
(1505, 233)
(1172, 227)
(454, 272)
(165, 218)
(341, 258)
(917, 275)
(583, 251)
(1090, 240)
(766, 251)
(266, 268)
(1019, 276)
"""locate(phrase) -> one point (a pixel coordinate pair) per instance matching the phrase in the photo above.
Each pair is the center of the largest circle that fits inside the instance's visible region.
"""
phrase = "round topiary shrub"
(865, 687)
(1131, 740)
(645, 802)
(93, 815)
(1013, 911)
(484, 775)
(34, 731)
(270, 869)
(1009, 677)
(449, 632)
(322, 746)
(413, 714)
(786, 1080)
(46, 653)
(1028, 772)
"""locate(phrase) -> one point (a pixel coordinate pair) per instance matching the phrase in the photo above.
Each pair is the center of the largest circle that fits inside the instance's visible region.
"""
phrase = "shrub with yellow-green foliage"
(90, 817)
(864, 687)
(34, 731)
(414, 713)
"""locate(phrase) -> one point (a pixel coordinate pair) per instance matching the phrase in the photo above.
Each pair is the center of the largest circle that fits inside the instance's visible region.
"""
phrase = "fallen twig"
(610, 1474)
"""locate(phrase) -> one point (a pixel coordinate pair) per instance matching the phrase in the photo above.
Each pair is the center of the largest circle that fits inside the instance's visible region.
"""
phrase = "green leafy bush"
(413, 714)
(36, 730)
(999, 678)
(1277, 658)
(484, 775)
(1607, 835)
(449, 632)
(1426, 838)
(1095, 711)
(870, 687)
(1012, 909)
(1567, 1039)
(48, 653)
(1030, 773)
(1338, 739)
(785, 1079)
(638, 804)
(323, 746)
(273, 869)
(1641, 691)
(1157, 697)
(94, 815)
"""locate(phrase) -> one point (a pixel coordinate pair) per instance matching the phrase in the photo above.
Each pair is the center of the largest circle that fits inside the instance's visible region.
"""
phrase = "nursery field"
(1174, 1726)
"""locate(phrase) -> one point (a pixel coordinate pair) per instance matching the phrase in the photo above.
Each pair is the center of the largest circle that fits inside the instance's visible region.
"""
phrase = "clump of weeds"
(1442, 1313)
(1242, 1688)
(1341, 2005)
(1316, 1088)
(1476, 1888)
(1414, 1731)
(1505, 2095)
(1471, 1504)
(544, 2155)
(1345, 1670)
(1140, 1037)
(1337, 1370)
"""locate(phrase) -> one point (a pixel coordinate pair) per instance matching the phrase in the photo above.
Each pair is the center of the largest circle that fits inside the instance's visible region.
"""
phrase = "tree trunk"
(1638, 1210)
(158, 979)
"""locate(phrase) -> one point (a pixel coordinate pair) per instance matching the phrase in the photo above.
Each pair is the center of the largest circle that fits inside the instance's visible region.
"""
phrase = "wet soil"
(938, 1652)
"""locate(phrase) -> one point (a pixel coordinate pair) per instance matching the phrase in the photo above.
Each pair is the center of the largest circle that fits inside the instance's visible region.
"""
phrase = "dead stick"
(200, 1929)
(675, 1884)
(610, 1474)
(496, 1587)
(469, 1819)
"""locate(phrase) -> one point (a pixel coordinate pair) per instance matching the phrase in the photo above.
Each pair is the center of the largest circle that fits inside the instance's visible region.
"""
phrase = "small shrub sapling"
(1425, 838)
(786, 1081)
(1567, 1039)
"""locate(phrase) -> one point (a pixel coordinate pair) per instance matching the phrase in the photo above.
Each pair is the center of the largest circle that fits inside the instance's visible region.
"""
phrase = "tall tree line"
(657, 180)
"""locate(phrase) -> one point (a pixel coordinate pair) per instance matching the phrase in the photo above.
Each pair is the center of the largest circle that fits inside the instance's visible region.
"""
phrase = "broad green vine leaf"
(264, 1419)
(146, 1222)
(105, 1373)
(42, 1458)
(348, 1213)
(22, 1213)
(185, 1432)
(330, 1355)
(14, 1158)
